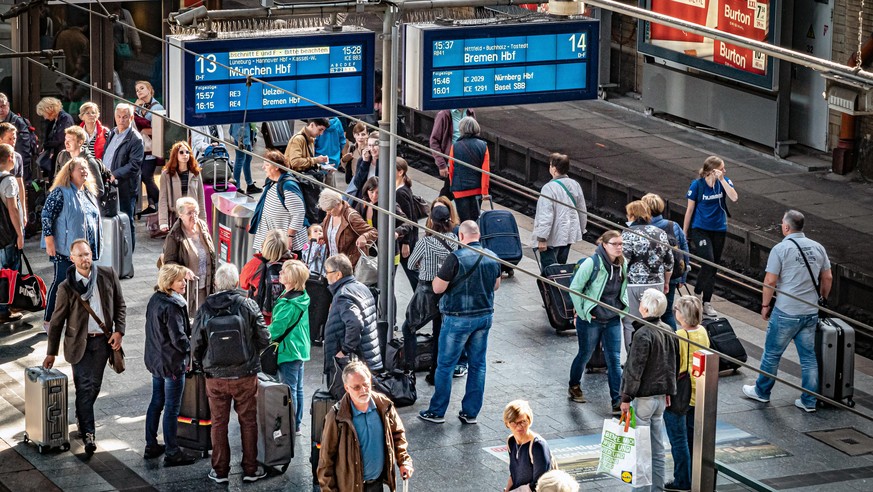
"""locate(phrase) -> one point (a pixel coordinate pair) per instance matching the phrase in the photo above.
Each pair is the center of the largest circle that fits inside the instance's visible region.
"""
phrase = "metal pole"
(705, 369)
(386, 175)
(391, 191)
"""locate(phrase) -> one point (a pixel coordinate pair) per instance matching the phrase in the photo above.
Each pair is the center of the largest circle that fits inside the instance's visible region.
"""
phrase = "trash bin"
(231, 214)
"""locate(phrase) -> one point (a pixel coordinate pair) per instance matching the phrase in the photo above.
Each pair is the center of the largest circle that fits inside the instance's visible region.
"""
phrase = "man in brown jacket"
(85, 344)
(363, 437)
(300, 153)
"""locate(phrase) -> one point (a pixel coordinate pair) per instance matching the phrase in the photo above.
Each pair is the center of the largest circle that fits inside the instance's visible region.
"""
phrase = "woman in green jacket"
(290, 327)
(603, 276)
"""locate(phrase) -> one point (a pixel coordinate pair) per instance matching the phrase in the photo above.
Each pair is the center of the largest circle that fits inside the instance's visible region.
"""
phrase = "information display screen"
(333, 69)
(505, 64)
(751, 19)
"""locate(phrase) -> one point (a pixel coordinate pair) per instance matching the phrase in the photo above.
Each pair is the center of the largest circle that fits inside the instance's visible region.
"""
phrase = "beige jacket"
(300, 152)
(171, 190)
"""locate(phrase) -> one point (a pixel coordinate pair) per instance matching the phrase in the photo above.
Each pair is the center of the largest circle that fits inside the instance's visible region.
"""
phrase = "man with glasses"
(86, 345)
(363, 424)
(123, 158)
(25, 143)
(350, 330)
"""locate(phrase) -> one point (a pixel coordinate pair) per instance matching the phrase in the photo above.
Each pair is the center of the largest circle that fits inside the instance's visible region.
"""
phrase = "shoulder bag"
(116, 357)
(822, 302)
(367, 269)
(270, 355)
(680, 403)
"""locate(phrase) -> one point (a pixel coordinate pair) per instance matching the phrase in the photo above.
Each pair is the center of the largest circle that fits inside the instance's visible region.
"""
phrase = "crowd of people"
(298, 236)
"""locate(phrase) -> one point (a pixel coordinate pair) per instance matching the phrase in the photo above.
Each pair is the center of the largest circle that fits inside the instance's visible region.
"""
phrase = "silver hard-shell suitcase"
(45, 409)
(835, 353)
(117, 245)
(276, 423)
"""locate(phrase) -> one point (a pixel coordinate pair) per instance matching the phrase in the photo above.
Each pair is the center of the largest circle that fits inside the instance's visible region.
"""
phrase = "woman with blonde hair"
(345, 231)
(179, 178)
(290, 329)
(142, 119)
(167, 345)
(56, 121)
(71, 212)
(529, 454)
(189, 244)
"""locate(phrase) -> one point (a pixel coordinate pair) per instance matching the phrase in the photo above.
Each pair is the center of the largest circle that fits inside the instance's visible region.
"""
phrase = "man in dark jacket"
(362, 440)
(85, 344)
(123, 158)
(351, 323)
(231, 365)
(649, 376)
(24, 144)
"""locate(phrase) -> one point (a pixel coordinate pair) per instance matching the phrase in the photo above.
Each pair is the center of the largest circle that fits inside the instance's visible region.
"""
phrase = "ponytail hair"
(402, 166)
(711, 162)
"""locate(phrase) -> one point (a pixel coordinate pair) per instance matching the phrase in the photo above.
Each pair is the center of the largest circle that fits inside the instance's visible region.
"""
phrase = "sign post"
(705, 370)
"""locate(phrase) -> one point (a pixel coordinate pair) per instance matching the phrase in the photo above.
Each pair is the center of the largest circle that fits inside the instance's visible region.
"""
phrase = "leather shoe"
(179, 459)
(154, 451)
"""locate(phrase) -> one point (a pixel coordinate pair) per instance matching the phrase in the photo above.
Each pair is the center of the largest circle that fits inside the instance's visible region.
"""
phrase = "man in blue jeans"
(467, 281)
(798, 266)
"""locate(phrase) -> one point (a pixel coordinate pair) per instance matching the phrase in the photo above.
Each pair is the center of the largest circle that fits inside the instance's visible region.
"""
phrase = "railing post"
(705, 370)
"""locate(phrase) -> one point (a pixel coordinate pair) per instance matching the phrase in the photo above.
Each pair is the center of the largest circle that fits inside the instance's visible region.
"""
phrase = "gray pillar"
(386, 176)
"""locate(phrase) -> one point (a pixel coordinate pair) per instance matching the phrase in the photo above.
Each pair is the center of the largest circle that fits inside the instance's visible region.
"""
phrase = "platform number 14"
(579, 43)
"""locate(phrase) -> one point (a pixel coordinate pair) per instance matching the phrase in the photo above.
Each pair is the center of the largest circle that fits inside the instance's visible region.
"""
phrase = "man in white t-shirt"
(12, 240)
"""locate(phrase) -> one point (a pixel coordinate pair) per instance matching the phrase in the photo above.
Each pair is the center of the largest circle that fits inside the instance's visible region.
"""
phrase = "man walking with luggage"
(798, 266)
(467, 280)
(89, 293)
(560, 218)
(350, 329)
(363, 438)
(123, 158)
(231, 362)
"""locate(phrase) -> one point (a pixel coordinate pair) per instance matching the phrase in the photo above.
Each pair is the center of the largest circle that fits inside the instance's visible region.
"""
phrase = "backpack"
(594, 271)
(287, 183)
(269, 288)
(34, 137)
(8, 235)
(225, 331)
(678, 257)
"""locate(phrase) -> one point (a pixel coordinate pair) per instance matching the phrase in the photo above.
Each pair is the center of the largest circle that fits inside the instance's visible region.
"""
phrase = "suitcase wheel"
(25, 438)
(40, 448)
(65, 447)
(851, 403)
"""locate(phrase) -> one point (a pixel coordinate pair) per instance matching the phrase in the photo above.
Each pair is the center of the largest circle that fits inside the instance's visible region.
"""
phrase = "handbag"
(270, 355)
(123, 51)
(423, 307)
(626, 451)
(116, 357)
(398, 385)
(367, 269)
(680, 403)
(22, 291)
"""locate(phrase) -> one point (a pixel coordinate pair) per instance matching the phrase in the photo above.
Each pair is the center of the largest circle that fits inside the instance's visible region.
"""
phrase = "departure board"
(334, 69)
(500, 64)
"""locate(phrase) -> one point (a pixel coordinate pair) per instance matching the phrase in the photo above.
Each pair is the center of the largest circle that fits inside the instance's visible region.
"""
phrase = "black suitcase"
(424, 351)
(597, 362)
(195, 419)
(321, 404)
(835, 353)
(499, 233)
(36, 194)
(723, 339)
(319, 305)
(559, 307)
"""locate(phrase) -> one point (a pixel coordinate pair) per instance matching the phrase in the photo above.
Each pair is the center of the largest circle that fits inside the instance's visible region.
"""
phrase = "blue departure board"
(502, 64)
(333, 69)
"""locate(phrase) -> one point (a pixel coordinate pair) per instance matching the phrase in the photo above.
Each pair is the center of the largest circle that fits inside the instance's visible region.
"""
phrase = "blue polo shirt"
(709, 211)
(371, 439)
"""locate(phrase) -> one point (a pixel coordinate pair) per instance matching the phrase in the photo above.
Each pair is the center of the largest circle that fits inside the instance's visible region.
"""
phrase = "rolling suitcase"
(276, 424)
(321, 404)
(195, 419)
(117, 245)
(208, 191)
(499, 233)
(319, 305)
(723, 339)
(45, 409)
(559, 307)
(835, 352)
(424, 351)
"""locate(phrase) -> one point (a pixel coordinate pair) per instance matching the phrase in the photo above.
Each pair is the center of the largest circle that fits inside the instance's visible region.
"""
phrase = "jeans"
(128, 205)
(468, 207)
(782, 329)
(166, 397)
(709, 246)
(10, 257)
(589, 334)
(88, 378)
(62, 264)
(148, 179)
(668, 316)
(456, 334)
(650, 411)
(291, 373)
(634, 294)
(553, 255)
(243, 164)
(243, 393)
(677, 433)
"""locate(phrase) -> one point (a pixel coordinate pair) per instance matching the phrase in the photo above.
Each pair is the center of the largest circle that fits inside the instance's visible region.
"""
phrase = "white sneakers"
(709, 311)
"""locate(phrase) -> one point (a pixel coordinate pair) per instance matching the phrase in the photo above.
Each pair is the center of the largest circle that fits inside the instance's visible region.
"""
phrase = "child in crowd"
(313, 251)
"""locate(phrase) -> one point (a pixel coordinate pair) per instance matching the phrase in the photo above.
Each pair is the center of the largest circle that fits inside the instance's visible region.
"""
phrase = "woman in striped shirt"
(426, 258)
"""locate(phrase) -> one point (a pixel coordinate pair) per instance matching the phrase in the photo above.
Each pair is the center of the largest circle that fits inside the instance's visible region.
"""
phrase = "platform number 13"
(209, 67)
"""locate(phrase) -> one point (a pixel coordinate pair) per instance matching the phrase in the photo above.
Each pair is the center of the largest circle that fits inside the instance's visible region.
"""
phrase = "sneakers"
(431, 417)
(466, 419)
(575, 394)
(799, 404)
(150, 210)
(460, 371)
(750, 392)
(90, 443)
(215, 478)
(709, 311)
(8, 317)
(259, 474)
(429, 379)
(253, 189)
(179, 459)
(298, 432)
(154, 451)
(672, 487)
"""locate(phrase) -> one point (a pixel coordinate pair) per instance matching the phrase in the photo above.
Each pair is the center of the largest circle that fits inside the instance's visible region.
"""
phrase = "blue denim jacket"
(474, 296)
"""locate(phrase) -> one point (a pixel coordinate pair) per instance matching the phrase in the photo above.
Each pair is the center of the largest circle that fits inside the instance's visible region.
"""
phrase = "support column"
(705, 369)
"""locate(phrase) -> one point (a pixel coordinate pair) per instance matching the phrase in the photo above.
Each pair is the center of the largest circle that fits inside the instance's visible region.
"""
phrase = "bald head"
(468, 231)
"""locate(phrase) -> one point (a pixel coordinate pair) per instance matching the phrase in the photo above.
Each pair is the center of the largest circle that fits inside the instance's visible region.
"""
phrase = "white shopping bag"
(626, 451)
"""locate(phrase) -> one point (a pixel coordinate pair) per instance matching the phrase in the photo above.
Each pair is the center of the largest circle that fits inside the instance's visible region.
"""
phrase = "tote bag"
(626, 451)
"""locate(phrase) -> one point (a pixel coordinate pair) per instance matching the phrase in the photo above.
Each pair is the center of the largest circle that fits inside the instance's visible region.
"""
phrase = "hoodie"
(611, 290)
(331, 142)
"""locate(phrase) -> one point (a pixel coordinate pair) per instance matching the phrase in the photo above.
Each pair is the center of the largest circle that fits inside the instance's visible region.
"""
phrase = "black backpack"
(269, 287)
(679, 266)
(225, 330)
(8, 236)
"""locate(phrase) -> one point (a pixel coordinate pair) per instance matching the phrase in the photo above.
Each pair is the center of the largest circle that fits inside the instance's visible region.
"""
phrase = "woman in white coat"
(561, 214)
